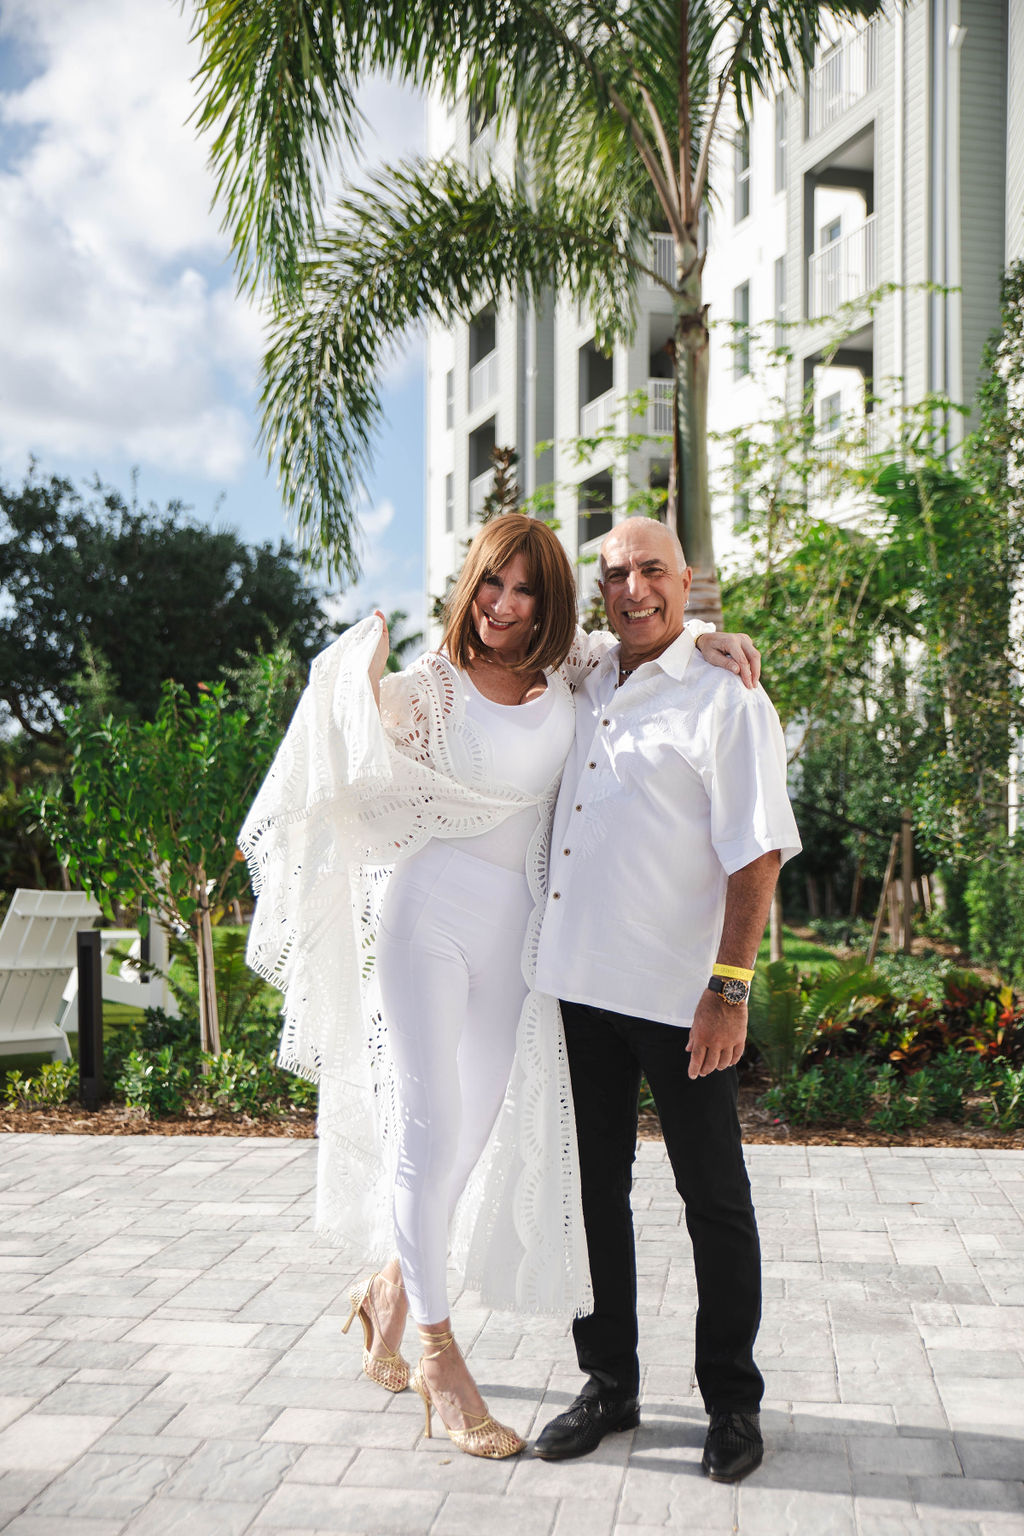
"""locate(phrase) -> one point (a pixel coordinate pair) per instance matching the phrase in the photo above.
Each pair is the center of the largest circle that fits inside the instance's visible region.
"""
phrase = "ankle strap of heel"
(442, 1340)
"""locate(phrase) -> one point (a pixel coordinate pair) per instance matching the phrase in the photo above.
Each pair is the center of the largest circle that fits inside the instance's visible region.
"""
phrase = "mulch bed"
(115, 1120)
(759, 1128)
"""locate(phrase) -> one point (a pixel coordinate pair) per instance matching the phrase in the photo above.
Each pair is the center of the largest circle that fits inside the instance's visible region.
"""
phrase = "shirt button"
(606, 722)
(591, 765)
(579, 807)
(566, 850)
(555, 895)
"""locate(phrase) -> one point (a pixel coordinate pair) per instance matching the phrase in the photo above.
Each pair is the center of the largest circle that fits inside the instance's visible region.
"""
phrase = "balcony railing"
(847, 442)
(483, 381)
(597, 414)
(843, 77)
(662, 257)
(659, 406)
(479, 490)
(842, 271)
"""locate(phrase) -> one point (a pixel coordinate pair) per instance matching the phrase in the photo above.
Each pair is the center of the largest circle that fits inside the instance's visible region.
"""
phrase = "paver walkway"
(171, 1361)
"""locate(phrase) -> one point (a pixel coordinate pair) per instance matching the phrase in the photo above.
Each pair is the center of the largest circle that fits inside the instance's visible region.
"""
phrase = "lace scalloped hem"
(297, 1068)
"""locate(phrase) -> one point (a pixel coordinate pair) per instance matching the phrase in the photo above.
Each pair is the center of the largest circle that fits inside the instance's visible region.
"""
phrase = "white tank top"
(528, 744)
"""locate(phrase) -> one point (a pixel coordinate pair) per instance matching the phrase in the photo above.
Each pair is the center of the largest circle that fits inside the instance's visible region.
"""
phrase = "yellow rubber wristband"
(735, 971)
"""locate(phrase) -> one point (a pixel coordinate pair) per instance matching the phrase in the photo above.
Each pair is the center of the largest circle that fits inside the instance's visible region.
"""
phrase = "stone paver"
(171, 1358)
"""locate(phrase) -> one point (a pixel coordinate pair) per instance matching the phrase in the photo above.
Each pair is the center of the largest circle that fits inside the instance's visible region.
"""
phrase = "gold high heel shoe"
(388, 1371)
(485, 1438)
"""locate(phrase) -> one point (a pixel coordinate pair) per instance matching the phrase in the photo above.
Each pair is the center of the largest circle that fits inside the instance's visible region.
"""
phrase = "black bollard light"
(90, 1018)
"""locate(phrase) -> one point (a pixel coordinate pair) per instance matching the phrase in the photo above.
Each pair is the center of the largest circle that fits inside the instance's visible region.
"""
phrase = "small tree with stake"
(153, 808)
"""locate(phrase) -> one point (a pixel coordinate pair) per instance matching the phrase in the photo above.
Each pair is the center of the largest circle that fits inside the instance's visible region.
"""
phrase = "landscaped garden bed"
(917, 1050)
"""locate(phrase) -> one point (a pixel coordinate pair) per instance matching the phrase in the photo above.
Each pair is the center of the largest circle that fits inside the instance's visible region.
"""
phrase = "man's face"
(644, 590)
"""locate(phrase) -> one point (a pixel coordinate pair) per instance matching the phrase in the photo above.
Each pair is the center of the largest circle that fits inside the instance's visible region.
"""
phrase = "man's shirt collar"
(674, 659)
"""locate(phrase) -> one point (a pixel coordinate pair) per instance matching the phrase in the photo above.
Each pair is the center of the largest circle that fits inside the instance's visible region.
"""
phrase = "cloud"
(123, 338)
(122, 334)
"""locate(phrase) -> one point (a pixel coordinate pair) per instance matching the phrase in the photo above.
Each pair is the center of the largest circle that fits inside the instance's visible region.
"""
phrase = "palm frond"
(424, 241)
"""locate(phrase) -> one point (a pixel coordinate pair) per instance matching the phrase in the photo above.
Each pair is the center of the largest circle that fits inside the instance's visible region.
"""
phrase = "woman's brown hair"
(550, 578)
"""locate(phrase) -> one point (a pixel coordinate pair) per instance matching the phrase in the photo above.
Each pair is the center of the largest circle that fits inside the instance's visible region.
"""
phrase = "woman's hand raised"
(379, 660)
(735, 652)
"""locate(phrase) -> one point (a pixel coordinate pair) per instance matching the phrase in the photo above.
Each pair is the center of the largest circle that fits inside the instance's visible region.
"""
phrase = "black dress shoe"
(733, 1446)
(584, 1424)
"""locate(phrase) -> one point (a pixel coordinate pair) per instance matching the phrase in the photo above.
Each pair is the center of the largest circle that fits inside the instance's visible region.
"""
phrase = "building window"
(741, 331)
(780, 301)
(449, 398)
(830, 233)
(830, 415)
(594, 514)
(741, 174)
(449, 503)
(780, 143)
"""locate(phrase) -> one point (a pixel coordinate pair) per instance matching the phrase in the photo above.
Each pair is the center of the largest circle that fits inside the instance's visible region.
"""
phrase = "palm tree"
(615, 111)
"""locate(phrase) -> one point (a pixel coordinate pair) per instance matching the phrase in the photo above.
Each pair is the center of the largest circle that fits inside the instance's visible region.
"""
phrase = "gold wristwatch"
(732, 983)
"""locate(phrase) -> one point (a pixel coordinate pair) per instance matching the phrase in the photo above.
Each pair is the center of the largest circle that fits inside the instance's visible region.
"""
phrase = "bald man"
(671, 826)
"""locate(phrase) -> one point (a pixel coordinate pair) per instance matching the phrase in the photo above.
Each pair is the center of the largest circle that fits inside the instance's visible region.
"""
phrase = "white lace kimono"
(350, 792)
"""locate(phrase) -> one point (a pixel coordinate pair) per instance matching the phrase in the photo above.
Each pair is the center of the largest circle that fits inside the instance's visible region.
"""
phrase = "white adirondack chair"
(128, 984)
(39, 974)
(37, 956)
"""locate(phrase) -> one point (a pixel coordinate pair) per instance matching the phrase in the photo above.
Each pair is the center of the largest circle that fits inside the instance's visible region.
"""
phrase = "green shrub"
(955, 1086)
(953, 1077)
(55, 1083)
(837, 1091)
(243, 1084)
(1004, 1106)
(903, 1102)
(154, 1082)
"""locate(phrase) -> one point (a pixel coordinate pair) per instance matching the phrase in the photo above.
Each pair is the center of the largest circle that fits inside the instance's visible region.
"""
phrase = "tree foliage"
(100, 592)
(615, 110)
(151, 816)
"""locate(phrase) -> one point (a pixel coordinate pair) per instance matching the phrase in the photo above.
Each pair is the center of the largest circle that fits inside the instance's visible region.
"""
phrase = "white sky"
(122, 342)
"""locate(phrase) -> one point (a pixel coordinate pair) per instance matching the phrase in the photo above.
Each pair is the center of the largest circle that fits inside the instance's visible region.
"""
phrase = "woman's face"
(504, 609)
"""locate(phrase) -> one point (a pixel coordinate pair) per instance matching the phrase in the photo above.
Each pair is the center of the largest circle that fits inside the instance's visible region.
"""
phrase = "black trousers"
(607, 1053)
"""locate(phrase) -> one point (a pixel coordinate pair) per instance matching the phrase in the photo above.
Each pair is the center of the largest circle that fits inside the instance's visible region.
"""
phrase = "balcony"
(842, 271)
(479, 490)
(483, 381)
(597, 414)
(846, 443)
(843, 77)
(662, 257)
(659, 406)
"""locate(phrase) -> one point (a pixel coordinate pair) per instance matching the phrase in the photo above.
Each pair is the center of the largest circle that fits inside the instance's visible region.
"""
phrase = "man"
(670, 829)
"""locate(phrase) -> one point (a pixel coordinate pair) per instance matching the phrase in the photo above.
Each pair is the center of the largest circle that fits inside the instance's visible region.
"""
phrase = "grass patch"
(805, 954)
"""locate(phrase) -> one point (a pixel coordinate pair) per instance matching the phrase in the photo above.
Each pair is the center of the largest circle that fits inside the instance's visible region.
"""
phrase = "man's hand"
(717, 1035)
(736, 653)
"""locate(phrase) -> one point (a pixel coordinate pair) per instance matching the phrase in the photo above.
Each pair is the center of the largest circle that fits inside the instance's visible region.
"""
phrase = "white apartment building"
(901, 163)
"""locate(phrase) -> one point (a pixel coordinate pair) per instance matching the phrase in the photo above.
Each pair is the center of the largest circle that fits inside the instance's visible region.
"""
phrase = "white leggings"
(449, 961)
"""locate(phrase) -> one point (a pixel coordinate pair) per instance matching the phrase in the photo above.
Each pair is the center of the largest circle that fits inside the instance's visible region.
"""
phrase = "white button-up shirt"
(675, 781)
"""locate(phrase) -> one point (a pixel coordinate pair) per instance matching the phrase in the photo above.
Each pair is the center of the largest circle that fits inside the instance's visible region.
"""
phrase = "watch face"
(733, 991)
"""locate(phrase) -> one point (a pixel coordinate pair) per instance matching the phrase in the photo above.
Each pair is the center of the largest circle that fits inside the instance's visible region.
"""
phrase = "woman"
(423, 801)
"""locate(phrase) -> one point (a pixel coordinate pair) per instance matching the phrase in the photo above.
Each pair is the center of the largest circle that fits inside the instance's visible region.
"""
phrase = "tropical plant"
(616, 112)
(786, 1013)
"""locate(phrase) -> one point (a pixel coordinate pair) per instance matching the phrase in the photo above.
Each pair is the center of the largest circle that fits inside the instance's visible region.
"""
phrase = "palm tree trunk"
(691, 357)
